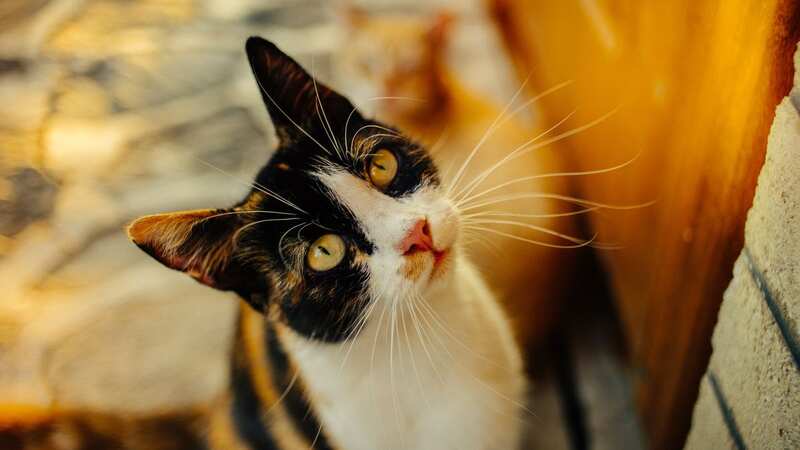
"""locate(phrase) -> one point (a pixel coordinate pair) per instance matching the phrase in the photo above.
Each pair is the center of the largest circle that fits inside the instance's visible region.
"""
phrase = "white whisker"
(486, 135)
(534, 99)
(238, 232)
(275, 104)
(530, 216)
(326, 125)
(483, 175)
(254, 185)
(528, 226)
(552, 175)
(548, 195)
(283, 236)
(531, 241)
(530, 146)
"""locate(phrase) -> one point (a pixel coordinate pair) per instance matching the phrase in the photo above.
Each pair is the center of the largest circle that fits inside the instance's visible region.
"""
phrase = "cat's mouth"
(438, 255)
(420, 261)
(421, 255)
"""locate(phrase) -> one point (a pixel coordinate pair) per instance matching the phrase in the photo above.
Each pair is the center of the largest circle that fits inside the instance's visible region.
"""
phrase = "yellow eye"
(382, 168)
(325, 253)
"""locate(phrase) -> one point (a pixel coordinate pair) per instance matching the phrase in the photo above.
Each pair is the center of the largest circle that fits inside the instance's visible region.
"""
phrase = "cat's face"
(347, 212)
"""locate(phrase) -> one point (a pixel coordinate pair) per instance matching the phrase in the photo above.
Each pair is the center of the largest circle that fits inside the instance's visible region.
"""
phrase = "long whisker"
(348, 149)
(363, 323)
(535, 99)
(553, 175)
(395, 400)
(238, 232)
(437, 321)
(424, 338)
(567, 198)
(528, 226)
(254, 185)
(326, 125)
(274, 103)
(483, 175)
(390, 133)
(530, 146)
(375, 341)
(486, 135)
(246, 212)
(531, 241)
(413, 99)
(411, 356)
(280, 241)
(434, 149)
(283, 395)
(300, 230)
(530, 216)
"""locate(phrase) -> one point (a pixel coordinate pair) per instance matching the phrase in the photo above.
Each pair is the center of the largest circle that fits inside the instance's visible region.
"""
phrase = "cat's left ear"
(297, 103)
(200, 243)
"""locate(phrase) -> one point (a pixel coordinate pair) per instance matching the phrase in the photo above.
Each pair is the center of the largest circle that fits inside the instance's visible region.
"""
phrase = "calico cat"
(362, 325)
(403, 58)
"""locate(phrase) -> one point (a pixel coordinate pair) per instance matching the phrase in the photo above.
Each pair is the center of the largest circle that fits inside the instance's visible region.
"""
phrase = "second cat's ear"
(298, 104)
(200, 243)
(354, 16)
(441, 28)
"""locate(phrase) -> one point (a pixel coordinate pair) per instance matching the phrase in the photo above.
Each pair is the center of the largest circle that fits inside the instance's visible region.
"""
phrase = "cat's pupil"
(324, 250)
(379, 166)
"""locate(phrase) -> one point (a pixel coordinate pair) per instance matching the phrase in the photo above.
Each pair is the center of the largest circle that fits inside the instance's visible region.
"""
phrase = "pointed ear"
(354, 16)
(294, 99)
(440, 29)
(199, 243)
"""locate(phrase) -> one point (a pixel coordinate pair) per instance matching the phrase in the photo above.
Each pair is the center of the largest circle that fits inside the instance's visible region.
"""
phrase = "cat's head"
(402, 58)
(346, 212)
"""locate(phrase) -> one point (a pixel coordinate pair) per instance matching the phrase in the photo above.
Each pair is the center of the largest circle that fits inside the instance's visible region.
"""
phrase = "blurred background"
(112, 109)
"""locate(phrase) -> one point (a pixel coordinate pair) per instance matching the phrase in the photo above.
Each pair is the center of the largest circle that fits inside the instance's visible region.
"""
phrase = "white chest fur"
(449, 376)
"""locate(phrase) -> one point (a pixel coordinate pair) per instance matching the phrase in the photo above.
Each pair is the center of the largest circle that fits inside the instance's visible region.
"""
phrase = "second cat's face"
(346, 213)
(395, 57)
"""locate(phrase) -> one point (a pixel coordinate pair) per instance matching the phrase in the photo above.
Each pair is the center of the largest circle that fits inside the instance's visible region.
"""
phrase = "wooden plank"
(694, 86)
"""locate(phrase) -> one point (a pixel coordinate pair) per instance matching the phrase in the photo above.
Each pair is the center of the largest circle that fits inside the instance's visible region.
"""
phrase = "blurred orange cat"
(514, 242)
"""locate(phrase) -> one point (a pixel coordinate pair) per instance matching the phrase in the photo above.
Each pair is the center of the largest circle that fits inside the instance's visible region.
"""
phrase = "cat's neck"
(414, 363)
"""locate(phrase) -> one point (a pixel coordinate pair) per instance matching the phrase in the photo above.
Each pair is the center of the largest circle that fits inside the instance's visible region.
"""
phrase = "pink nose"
(418, 239)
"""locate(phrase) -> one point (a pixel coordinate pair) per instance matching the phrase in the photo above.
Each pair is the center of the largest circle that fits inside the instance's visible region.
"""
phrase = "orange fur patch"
(414, 265)
(167, 233)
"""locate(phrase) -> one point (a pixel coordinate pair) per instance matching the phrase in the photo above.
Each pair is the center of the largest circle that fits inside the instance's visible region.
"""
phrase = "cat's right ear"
(202, 244)
(297, 103)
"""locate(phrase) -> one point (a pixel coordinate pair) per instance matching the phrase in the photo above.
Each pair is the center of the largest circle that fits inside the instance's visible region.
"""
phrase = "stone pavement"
(110, 110)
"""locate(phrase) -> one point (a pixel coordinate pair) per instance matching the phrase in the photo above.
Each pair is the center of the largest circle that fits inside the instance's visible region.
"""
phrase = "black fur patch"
(246, 408)
(295, 402)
